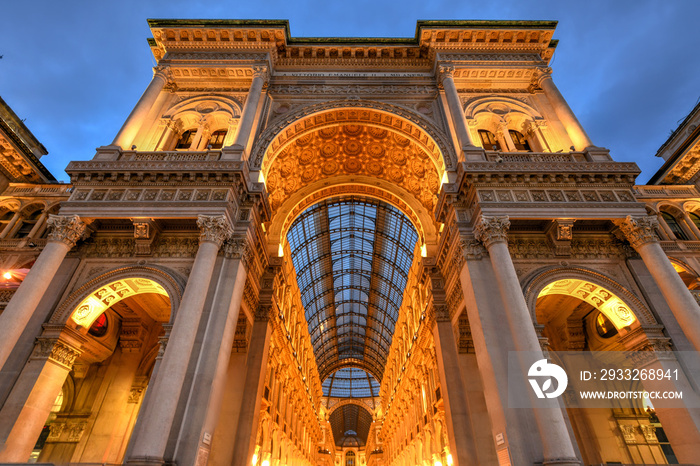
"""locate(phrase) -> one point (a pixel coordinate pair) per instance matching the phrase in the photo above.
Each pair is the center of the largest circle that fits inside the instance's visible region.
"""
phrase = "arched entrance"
(582, 310)
(90, 369)
(352, 188)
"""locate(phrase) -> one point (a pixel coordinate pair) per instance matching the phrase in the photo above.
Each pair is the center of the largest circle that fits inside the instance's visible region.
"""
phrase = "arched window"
(28, 224)
(216, 141)
(350, 458)
(488, 140)
(186, 139)
(519, 141)
(674, 226)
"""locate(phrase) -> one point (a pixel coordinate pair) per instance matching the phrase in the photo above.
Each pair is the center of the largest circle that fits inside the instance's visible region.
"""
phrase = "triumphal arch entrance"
(303, 251)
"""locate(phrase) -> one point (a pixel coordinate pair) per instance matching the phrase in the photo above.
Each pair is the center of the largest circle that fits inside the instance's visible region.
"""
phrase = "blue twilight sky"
(74, 69)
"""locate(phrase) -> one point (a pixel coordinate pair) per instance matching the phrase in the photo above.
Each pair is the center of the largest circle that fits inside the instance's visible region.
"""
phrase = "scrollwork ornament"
(639, 230)
(213, 229)
(66, 229)
(491, 230)
(55, 350)
(261, 72)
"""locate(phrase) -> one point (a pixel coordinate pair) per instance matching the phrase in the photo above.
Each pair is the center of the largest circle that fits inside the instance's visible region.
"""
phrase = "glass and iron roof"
(352, 256)
(350, 422)
(350, 382)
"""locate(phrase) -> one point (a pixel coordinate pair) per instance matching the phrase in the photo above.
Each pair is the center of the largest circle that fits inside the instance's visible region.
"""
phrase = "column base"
(561, 462)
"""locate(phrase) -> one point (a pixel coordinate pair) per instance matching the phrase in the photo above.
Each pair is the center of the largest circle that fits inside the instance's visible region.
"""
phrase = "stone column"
(691, 225)
(639, 231)
(256, 367)
(38, 225)
(131, 126)
(206, 395)
(157, 415)
(27, 408)
(556, 442)
(579, 137)
(446, 79)
(260, 76)
(503, 128)
(457, 416)
(65, 232)
(10, 226)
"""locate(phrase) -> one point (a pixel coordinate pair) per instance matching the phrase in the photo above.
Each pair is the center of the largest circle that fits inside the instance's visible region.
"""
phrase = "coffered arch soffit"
(398, 120)
(120, 283)
(216, 110)
(542, 278)
(490, 110)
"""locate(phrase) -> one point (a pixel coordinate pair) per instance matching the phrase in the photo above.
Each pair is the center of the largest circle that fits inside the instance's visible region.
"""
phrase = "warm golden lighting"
(280, 251)
(605, 301)
(96, 303)
(7, 275)
(450, 461)
(261, 178)
(437, 463)
(423, 250)
(255, 458)
(265, 463)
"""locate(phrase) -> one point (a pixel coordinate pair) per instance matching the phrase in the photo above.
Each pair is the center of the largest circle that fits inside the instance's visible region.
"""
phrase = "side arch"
(538, 280)
(169, 281)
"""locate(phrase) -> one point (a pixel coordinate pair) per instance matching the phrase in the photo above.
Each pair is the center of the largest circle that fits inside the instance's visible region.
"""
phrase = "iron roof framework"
(350, 382)
(350, 420)
(352, 256)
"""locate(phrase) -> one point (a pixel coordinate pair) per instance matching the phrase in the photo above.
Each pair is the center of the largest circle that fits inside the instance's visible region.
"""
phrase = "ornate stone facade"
(235, 269)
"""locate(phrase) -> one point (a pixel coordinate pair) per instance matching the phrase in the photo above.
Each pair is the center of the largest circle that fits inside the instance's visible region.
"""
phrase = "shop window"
(186, 139)
(674, 226)
(519, 141)
(216, 141)
(488, 140)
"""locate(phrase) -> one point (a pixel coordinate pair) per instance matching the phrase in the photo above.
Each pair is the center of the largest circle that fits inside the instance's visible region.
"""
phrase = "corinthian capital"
(639, 230)
(261, 71)
(238, 248)
(491, 230)
(67, 229)
(55, 350)
(215, 229)
(444, 72)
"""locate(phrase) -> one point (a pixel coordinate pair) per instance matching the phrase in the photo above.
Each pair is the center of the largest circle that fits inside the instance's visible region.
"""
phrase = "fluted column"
(157, 416)
(640, 232)
(492, 231)
(25, 411)
(543, 78)
(446, 79)
(260, 76)
(131, 126)
(65, 232)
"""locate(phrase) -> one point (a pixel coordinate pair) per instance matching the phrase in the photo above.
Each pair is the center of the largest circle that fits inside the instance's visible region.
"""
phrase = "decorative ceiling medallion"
(352, 165)
(375, 150)
(328, 133)
(377, 133)
(352, 147)
(330, 167)
(329, 149)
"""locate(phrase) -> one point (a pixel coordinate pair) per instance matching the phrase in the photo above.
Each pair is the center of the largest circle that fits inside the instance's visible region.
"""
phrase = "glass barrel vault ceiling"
(352, 256)
(350, 382)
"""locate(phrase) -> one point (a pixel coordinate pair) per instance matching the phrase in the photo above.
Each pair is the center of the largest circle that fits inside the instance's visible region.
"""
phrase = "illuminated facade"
(320, 252)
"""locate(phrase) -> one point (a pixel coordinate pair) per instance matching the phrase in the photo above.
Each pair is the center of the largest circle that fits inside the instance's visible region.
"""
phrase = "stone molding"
(639, 230)
(214, 229)
(445, 72)
(261, 72)
(66, 229)
(492, 229)
(238, 248)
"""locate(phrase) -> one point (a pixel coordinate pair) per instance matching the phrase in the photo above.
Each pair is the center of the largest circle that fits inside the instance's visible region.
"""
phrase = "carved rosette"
(491, 230)
(213, 229)
(66, 229)
(55, 350)
(639, 230)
